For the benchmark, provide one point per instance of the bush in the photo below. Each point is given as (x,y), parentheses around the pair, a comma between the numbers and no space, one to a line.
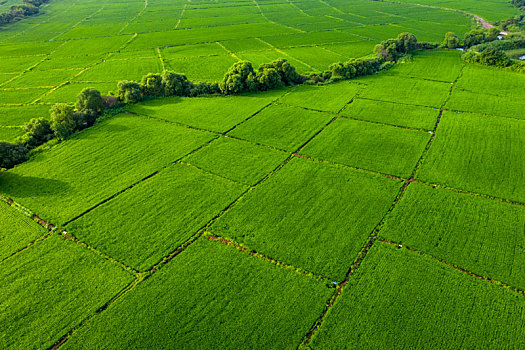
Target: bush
(287,72)
(12,154)
(239,78)
(63,121)
(130,91)
(90,99)
(175,84)
(268,78)
(152,84)
(474,37)
(201,88)
(451,41)
(37,131)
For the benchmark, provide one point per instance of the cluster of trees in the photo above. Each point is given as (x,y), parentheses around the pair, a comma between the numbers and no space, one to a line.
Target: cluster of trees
(489,56)
(16,12)
(519,4)
(64,121)
(513,24)
(393,49)
(472,38)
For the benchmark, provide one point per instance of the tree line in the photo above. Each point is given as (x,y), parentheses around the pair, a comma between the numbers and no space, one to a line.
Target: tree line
(241,77)
(17,12)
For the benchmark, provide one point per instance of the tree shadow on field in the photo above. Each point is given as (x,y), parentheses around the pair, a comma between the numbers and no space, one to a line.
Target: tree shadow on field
(19,186)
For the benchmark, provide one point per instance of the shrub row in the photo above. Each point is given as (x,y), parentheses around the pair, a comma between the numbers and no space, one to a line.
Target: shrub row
(65,120)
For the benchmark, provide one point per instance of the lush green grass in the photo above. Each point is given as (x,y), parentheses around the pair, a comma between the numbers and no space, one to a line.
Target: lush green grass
(17,96)
(392,114)
(477,234)
(69,92)
(382,148)
(115,70)
(15,116)
(310,215)
(157,215)
(10,133)
(493,81)
(283,127)
(411,91)
(330,98)
(216,113)
(477,153)
(213,296)
(95,164)
(237,160)
(49,78)
(465,101)
(440,65)
(397,299)
(49,289)
(17,231)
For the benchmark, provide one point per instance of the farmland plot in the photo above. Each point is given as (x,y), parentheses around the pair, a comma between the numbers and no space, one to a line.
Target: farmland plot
(465,101)
(180,305)
(50,288)
(296,222)
(381,148)
(477,153)
(478,234)
(399,298)
(96,164)
(156,216)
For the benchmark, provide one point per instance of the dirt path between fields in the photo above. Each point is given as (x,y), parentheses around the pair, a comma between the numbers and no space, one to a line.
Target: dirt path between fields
(484,22)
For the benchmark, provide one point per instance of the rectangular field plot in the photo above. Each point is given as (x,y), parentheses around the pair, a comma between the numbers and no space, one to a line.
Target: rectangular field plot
(95,164)
(48,289)
(352,50)
(92,46)
(405,90)
(157,215)
(494,81)
(217,113)
(210,68)
(68,93)
(237,160)
(330,98)
(397,297)
(173,309)
(18,64)
(21,96)
(48,78)
(115,70)
(27,49)
(478,234)
(314,56)
(465,101)
(78,62)
(392,113)
(265,56)
(17,231)
(18,115)
(291,216)
(286,128)
(477,153)
(382,148)
(442,65)
(185,51)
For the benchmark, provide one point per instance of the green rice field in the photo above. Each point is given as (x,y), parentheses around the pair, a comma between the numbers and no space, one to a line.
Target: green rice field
(386,211)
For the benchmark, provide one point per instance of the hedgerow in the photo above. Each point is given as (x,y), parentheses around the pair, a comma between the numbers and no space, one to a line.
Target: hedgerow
(17,12)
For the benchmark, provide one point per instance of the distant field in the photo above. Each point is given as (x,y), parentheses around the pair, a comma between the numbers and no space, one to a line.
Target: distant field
(384,212)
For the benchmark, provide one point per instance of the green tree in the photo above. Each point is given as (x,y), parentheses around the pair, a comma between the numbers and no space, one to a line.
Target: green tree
(12,154)
(63,121)
(239,78)
(152,84)
(130,91)
(493,34)
(451,41)
(474,37)
(289,75)
(406,42)
(37,131)
(90,99)
(175,84)
(269,78)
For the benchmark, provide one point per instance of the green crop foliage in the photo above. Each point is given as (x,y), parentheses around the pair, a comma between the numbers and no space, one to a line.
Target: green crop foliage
(477,153)
(399,299)
(237,160)
(96,164)
(392,114)
(216,113)
(330,98)
(158,215)
(212,296)
(17,231)
(381,148)
(291,216)
(50,288)
(465,101)
(283,127)
(412,91)
(477,234)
